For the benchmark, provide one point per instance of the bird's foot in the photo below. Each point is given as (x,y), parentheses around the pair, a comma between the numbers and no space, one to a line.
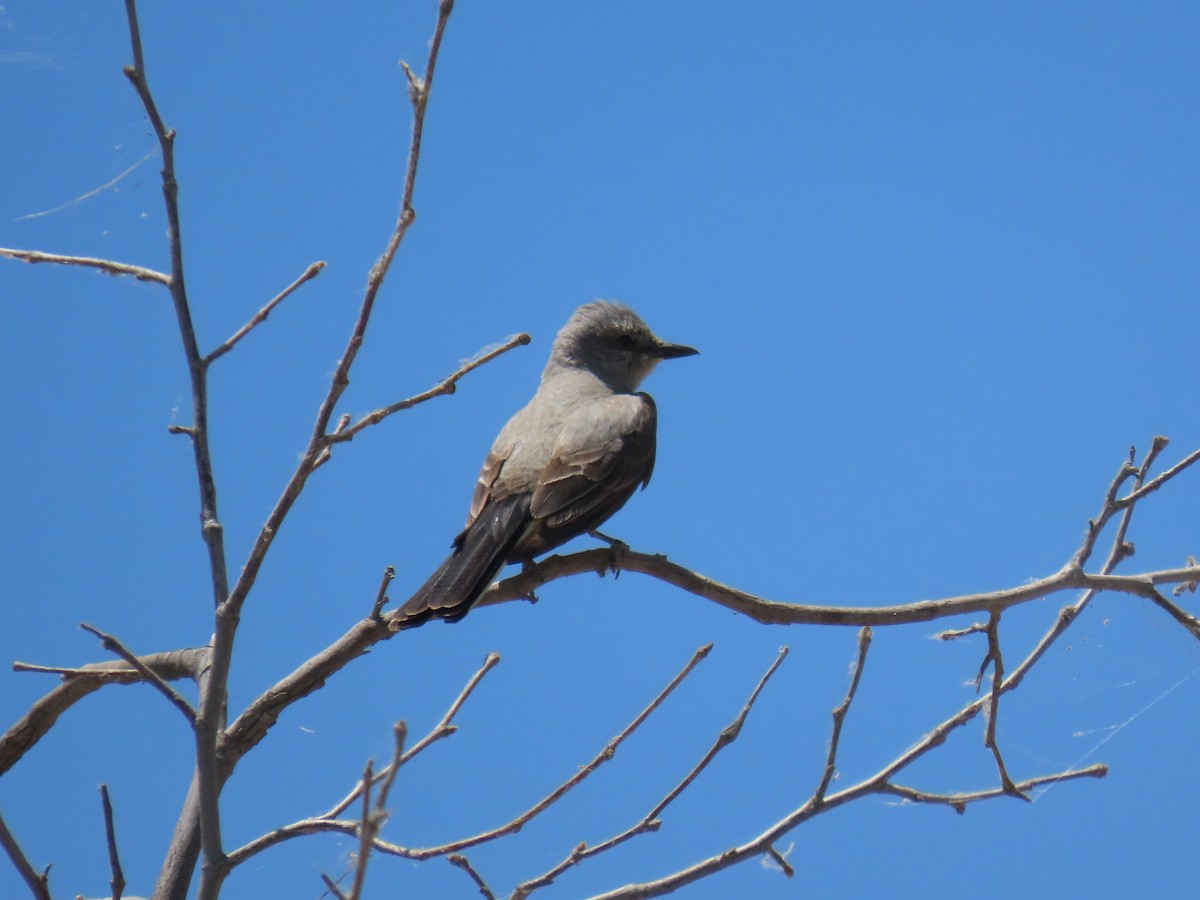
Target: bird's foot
(617,550)
(530,569)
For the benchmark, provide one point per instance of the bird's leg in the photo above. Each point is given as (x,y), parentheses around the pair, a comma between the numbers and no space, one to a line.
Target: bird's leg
(617,548)
(530,568)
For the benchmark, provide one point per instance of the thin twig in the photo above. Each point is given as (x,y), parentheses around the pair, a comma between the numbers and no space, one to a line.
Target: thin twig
(366,834)
(447,385)
(329,821)
(315,825)
(839,714)
(113,645)
(728,735)
(399,733)
(607,753)
(341,379)
(1188,621)
(651,821)
(442,729)
(1118,552)
(951,634)
(1158,481)
(959,801)
(381,597)
(457,859)
(39,883)
(780,861)
(332,887)
(108,266)
(1107,509)
(261,316)
(114,860)
(989,739)
(115,673)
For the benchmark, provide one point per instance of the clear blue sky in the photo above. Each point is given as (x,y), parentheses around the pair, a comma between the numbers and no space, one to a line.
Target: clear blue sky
(939,258)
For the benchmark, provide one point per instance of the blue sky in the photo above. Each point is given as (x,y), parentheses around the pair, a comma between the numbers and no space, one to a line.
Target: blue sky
(939,260)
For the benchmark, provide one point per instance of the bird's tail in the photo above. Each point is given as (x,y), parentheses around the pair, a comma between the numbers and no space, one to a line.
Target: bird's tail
(480,552)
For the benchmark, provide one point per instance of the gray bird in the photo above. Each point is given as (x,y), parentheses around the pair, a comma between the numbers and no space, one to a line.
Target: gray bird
(563,464)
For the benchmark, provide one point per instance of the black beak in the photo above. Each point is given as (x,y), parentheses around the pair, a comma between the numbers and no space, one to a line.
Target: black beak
(674,351)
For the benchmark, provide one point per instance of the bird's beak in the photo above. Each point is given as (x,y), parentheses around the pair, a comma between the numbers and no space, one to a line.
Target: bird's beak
(674,351)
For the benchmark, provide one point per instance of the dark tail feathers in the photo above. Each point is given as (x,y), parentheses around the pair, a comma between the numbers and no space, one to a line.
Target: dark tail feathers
(479,554)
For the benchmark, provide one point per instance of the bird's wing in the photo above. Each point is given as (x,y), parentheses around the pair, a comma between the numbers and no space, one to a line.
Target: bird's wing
(487,478)
(603,452)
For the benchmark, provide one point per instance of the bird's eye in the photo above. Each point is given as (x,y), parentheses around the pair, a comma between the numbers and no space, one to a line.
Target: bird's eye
(625,340)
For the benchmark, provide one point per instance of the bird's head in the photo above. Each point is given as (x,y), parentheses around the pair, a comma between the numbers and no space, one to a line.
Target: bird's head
(612,342)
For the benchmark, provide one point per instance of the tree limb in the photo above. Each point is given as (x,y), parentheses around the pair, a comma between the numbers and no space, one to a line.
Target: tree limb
(108,266)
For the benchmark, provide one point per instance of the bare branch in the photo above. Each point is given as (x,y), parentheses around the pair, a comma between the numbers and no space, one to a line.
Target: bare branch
(447,385)
(367,826)
(958,802)
(441,730)
(39,883)
(774,612)
(1188,621)
(329,821)
(370,822)
(341,379)
(315,825)
(839,714)
(598,760)
(993,706)
(881,782)
(1118,552)
(780,861)
(261,316)
(108,266)
(381,597)
(331,886)
(1153,485)
(951,634)
(210,718)
(650,821)
(728,735)
(114,860)
(115,646)
(254,722)
(1096,525)
(78,683)
(400,734)
(457,859)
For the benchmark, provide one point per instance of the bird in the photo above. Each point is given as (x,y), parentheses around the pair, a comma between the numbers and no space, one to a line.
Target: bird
(564,463)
